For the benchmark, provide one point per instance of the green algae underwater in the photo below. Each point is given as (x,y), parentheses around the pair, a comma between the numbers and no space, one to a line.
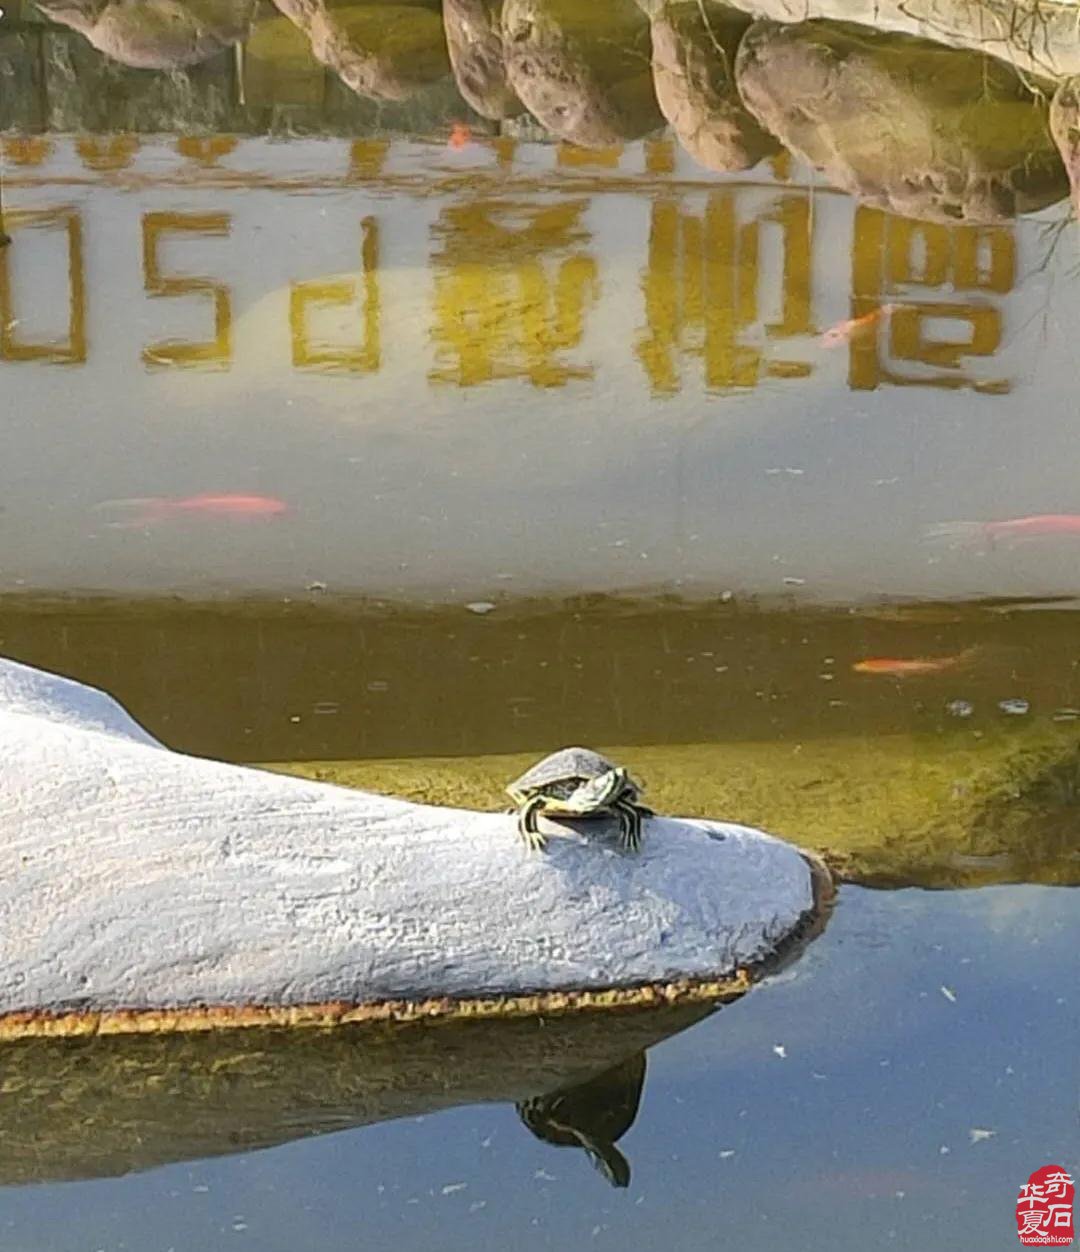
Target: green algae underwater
(964,777)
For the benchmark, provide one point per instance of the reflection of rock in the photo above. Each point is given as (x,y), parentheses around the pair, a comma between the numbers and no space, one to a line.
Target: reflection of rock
(474,39)
(97,1107)
(279,68)
(693,49)
(1065,127)
(1035,36)
(905,125)
(155,34)
(1032,815)
(592,1116)
(384,51)
(582,69)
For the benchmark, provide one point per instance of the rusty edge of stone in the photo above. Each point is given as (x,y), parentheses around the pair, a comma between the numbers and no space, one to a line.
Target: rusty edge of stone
(202,1018)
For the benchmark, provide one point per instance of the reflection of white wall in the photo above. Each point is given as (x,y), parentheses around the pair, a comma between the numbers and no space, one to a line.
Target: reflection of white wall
(402,487)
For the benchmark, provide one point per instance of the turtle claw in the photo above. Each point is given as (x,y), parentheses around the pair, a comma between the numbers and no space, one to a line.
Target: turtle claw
(534,837)
(534,840)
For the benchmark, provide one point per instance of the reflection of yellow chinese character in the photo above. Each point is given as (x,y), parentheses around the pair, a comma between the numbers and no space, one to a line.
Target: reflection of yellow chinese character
(71,351)
(701,291)
(659,156)
(26,149)
(172,352)
(512,286)
(573,158)
(340,294)
(366,158)
(109,152)
(205,150)
(894,260)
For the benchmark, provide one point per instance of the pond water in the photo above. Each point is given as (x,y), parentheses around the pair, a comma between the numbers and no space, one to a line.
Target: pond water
(359,425)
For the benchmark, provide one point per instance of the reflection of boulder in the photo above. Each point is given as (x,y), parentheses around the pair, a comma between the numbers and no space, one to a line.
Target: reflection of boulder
(1035,36)
(693,51)
(384,51)
(98,1107)
(903,124)
(582,69)
(474,39)
(279,68)
(155,34)
(1065,128)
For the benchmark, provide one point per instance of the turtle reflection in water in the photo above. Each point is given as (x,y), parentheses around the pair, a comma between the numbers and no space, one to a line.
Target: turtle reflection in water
(577,783)
(592,1116)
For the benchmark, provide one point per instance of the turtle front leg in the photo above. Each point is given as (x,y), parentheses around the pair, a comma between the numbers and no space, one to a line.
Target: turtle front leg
(630,818)
(527,825)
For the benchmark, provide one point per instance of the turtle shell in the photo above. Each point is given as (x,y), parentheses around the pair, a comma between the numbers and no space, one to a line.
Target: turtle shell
(561,772)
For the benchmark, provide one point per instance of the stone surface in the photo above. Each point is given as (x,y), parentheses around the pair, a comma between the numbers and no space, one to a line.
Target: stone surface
(133,877)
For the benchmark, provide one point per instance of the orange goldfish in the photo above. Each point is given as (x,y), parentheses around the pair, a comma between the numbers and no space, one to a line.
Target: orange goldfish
(912,666)
(1038,526)
(152,509)
(460,135)
(852,326)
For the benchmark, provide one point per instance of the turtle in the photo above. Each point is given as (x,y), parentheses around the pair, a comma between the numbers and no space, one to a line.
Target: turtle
(577,782)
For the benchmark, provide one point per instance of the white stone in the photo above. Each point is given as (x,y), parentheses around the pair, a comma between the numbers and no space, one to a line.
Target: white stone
(132,876)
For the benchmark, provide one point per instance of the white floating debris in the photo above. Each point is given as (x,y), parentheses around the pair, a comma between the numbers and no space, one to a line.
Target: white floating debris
(780,1051)
(451,1187)
(1014,708)
(727,1154)
(544,1176)
(948,993)
(959,708)
(480,606)
(977,1135)
(794,582)
(1066,715)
